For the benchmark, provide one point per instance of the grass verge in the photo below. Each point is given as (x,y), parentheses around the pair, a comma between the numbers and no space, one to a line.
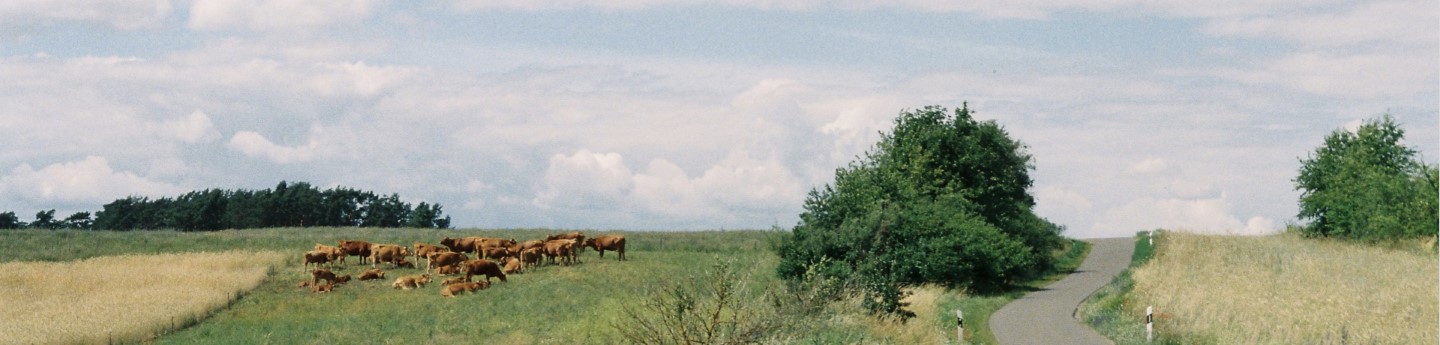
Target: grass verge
(1107,310)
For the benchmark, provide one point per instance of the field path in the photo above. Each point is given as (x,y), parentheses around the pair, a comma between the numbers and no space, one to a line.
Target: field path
(1047,316)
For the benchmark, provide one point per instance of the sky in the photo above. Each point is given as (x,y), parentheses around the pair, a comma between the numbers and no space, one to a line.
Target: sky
(689,115)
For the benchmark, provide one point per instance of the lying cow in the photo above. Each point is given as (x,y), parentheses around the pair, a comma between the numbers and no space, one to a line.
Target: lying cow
(453,290)
(411,282)
(608,242)
(372,274)
(323,288)
(454,280)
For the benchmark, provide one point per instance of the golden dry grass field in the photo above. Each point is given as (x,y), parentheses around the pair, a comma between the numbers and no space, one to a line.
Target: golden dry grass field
(1283,289)
(125,298)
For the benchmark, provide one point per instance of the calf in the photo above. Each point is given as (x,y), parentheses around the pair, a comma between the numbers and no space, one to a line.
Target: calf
(563,248)
(608,242)
(448,270)
(316,257)
(323,274)
(579,241)
(360,248)
(482,266)
(510,265)
(323,288)
(423,250)
(531,257)
(411,282)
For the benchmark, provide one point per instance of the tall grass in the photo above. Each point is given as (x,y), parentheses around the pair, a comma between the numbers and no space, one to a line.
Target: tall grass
(1283,289)
(126,298)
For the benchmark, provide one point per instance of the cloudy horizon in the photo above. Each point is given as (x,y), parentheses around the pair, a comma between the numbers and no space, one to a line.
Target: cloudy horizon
(683,115)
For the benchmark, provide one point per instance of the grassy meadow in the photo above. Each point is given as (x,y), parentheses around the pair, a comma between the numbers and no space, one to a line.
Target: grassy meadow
(550,305)
(124,298)
(1282,289)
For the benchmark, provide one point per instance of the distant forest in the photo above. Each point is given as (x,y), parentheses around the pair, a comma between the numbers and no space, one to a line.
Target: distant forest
(296,204)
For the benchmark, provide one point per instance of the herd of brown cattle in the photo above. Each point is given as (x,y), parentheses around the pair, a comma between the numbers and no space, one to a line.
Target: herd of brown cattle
(493,258)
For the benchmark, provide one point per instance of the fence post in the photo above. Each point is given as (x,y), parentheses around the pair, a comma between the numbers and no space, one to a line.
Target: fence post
(1149,323)
(960,326)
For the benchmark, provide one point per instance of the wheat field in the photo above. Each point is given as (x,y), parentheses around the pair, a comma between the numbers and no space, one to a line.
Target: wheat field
(1283,289)
(125,298)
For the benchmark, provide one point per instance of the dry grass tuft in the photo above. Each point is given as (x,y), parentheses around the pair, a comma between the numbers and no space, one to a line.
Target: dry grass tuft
(1283,289)
(122,298)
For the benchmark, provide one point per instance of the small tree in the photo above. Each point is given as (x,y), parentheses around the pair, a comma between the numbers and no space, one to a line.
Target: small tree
(943,199)
(78,220)
(8,220)
(1367,185)
(45,220)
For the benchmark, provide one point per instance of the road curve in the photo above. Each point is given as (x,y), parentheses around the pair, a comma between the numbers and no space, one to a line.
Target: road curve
(1047,316)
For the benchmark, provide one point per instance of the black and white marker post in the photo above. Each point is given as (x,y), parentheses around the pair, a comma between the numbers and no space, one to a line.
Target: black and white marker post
(960,325)
(1149,323)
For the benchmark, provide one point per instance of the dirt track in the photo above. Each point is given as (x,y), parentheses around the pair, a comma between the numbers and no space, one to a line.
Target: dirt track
(1048,316)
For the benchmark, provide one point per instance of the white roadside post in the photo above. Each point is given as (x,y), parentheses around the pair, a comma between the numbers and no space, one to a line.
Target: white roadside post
(960,326)
(1149,323)
(1151,237)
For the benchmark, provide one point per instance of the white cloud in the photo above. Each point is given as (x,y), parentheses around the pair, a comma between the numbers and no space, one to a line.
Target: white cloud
(276,15)
(1403,22)
(88,181)
(358,78)
(255,145)
(122,14)
(195,128)
(585,179)
(1211,216)
(1147,167)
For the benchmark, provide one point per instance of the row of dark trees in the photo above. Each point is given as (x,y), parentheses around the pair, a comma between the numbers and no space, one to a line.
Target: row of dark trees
(296,204)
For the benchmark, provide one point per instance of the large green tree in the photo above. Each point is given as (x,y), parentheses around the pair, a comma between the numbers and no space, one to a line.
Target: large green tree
(942,198)
(1367,185)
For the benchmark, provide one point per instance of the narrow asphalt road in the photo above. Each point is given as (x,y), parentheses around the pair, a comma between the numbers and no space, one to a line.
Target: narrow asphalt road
(1047,316)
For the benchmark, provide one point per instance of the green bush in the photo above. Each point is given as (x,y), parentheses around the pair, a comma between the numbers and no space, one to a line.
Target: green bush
(1366,185)
(942,199)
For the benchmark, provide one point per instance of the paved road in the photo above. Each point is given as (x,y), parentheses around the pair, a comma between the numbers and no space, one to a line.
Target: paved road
(1048,316)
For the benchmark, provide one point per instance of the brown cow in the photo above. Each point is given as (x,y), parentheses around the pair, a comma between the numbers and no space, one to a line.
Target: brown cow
(608,242)
(531,257)
(387,253)
(494,252)
(460,288)
(445,259)
(448,270)
(482,266)
(322,274)
(360,248)
(372,274)
(339,253)
(459,245)
(411,282)
(562,248)
(423,250)
(316,257)
(510,265)
(523,246)
(579,243)
(323,288)
(402,263)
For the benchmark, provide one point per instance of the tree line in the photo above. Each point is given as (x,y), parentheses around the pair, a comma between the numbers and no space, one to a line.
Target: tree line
(296,204)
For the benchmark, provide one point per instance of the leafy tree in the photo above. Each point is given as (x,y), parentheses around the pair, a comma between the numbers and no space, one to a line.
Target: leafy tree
(45,220)
(8,220)
(1367,185)
(943,198)
(78,220)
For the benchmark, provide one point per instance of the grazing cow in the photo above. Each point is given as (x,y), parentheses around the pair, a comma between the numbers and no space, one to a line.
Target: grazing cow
(579,242)
(360,248)
(459,245)
(453,290)
(339,253)
(423,250)
(531,257)
(387,253)
(510,265)
(445,259)
(316,257)
(322,274)
(562,248)
(454,280)
(323,288)
(411,282)
(372,274)
(482,266)
(608,242)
